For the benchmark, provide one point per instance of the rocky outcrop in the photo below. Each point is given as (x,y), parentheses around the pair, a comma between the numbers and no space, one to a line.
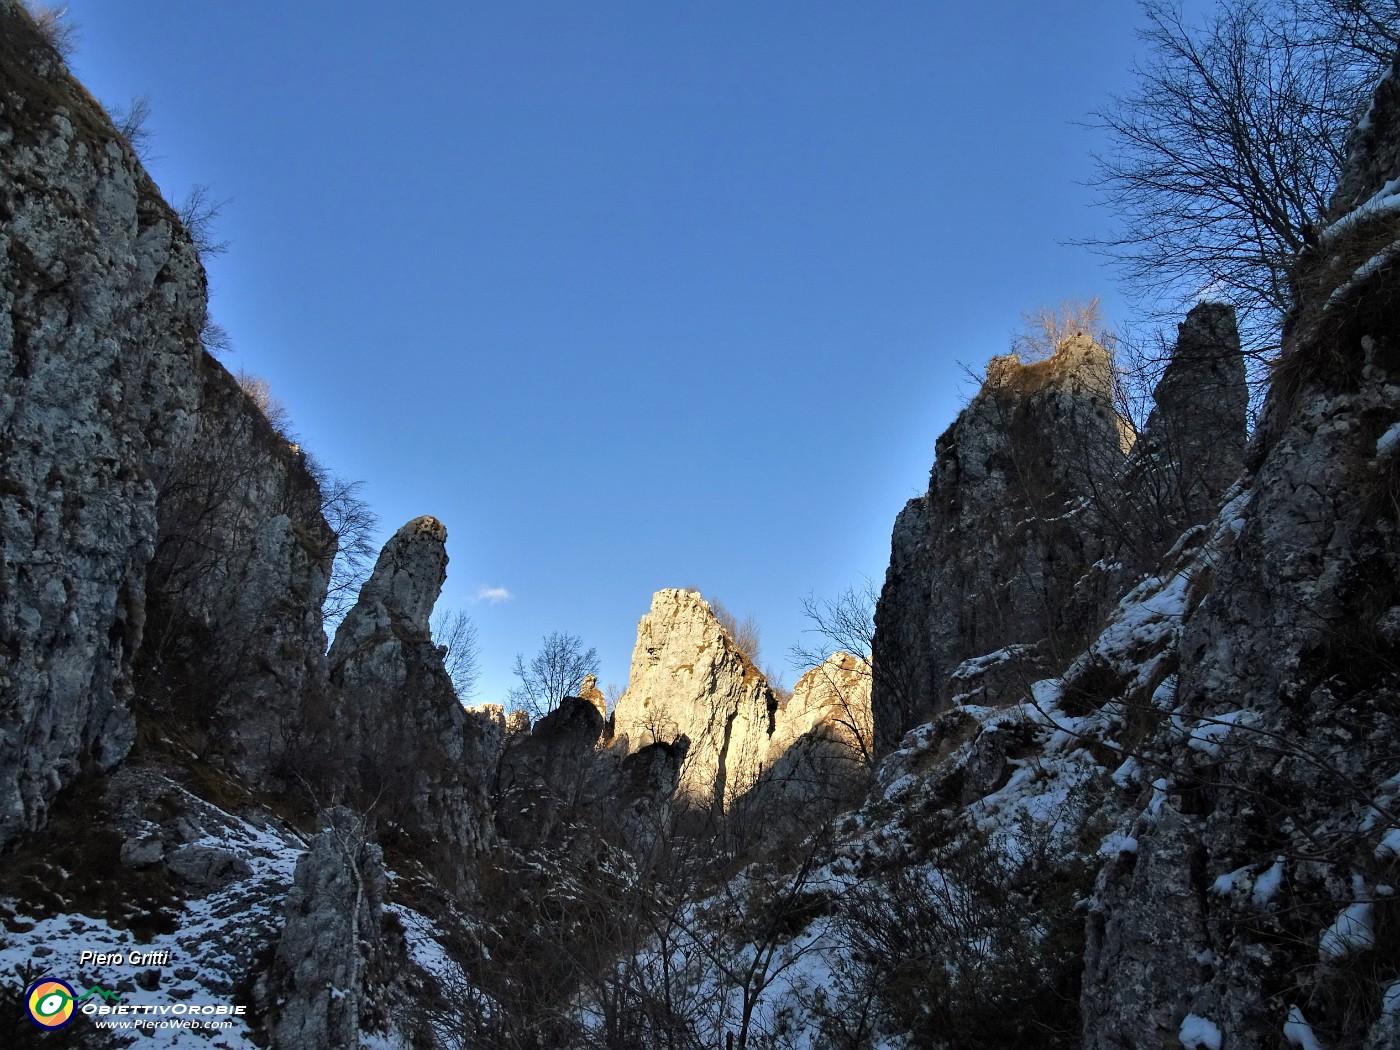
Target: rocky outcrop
(590,692)
(822,737)
(690,685)
(234,650)
(395,735)
(642,800)
(338,948)
(1036,520)
(1192,447)
(689,680)
(833,700)
(819,754)
(992,554)
(1274,831)
(102,298)
(552,771)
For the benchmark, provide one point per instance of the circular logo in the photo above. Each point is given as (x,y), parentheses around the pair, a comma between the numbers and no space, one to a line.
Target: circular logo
(50,1002)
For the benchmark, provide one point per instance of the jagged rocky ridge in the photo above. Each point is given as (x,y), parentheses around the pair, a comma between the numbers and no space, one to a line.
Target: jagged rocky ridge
(1037,479)
(1136,703)
(1185,834)
(690,681)
(163,568)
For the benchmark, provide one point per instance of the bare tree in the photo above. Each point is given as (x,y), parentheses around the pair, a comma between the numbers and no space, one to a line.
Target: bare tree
(455,632)
(556,671)
(54,25)
(846,623)
(613,693)
(354,522)
(1043,330)
(1228,147)
(199,212)
(1369,29)
(131,122)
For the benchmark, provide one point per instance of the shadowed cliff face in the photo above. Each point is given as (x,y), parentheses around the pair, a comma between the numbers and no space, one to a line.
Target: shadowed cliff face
(234,651)
(990,556)
(164,548)
(1192,447)
(1270,846)
(396,738)
(101,302)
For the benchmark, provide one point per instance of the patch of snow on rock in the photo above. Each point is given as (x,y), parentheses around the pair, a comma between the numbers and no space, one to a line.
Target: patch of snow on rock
(1298,1032)
(1388,442)
(1225,884)
(1389,846)
(1266,886)
(1352,932)
(1198,1033)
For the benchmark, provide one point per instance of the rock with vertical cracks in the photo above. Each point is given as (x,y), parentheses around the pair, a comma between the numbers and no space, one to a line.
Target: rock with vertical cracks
(395,736)
(992,554)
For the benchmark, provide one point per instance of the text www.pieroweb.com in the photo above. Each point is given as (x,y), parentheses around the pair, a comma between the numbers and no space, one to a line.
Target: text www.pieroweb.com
(176,1015)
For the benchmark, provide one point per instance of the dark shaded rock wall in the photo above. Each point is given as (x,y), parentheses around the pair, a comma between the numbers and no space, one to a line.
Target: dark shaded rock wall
(1273,838)
(102,298)
(992,554)
(394,736)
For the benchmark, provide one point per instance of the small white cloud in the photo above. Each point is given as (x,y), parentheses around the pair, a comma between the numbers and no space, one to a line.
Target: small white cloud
(493,595)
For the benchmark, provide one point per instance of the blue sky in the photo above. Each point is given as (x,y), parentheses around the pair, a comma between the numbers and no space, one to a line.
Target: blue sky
(631,295)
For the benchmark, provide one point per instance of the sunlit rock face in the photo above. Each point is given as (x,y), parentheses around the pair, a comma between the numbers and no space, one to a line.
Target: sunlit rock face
(1261,890)
(394,732)
(991,555)
(690,684)
(819,756)
(832,698)
(102,298)
(689,680)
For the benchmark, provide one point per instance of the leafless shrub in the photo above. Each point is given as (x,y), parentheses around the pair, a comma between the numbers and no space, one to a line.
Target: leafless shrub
(54,26)
(1046,328)
(132,124)
(743,633)
(215,337)
(974,950)
(455,632)
(199,212)
(259,392)
(556,671)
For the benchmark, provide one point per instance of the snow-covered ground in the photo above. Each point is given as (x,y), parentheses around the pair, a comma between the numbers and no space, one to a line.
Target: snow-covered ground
(1044,801)
(210,949)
